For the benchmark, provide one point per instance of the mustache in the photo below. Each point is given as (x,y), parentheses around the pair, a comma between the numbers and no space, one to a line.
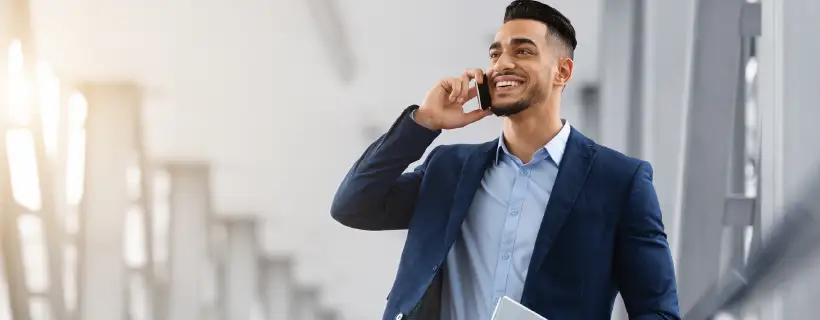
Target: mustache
(508,73)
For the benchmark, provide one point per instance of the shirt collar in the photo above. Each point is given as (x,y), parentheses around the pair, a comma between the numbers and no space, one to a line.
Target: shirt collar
(555,147)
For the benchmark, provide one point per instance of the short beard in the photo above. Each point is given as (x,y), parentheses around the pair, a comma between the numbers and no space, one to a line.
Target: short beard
(518,106)
(510,110)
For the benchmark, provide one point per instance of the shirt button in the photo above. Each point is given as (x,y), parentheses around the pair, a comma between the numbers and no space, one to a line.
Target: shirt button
(523,172)
(399,316)
(505,256)
(514,212)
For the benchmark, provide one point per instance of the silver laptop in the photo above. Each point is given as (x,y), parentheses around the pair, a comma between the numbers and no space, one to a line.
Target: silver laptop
(509,309)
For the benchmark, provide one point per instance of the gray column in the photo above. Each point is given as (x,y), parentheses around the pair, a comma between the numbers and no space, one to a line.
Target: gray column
(770,102)
(278,279)
(620,76)
(241,267)
(787,90)
(668,38)
(666,46)
(621,79)
(190,209)
(788,111)
(715,74)
(306,304)
(113,110)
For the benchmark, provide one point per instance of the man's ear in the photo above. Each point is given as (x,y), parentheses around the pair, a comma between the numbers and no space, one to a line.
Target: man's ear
(564,74)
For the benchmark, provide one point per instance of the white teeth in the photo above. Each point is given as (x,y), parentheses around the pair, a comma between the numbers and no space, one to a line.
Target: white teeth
(503,84)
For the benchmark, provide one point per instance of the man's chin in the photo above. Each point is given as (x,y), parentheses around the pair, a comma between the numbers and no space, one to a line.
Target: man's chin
(506,103)
(508,109)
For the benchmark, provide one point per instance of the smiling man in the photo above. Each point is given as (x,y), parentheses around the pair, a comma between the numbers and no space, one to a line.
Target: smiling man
(542,214)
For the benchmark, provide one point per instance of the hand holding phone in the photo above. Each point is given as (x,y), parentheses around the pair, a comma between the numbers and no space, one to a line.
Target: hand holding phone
(443,105)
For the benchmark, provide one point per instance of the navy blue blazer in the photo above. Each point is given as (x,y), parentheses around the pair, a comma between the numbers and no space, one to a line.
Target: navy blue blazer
(601,232)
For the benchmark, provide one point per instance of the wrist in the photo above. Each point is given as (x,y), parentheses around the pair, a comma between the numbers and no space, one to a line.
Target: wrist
(423,118)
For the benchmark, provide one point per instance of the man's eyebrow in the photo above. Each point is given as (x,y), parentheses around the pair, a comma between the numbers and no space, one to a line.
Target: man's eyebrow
(514,41)
(520,41)
(495,46)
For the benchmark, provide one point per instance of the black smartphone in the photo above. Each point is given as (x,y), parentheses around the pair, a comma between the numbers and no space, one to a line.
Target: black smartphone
(483,89)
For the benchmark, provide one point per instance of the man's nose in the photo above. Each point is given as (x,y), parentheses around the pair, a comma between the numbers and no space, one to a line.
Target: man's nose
(504,62)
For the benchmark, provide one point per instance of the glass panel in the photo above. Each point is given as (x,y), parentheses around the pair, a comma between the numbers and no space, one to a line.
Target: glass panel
(134,238)
(75,162)
(33,252)
(49,99)
(23,167)
(18,89)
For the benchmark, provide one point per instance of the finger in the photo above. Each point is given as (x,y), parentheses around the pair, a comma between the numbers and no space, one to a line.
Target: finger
(457,88)
(465,87)
(454,90)
(477,74)
(475,115)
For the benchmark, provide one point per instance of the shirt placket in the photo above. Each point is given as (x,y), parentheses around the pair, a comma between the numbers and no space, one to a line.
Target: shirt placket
(507,248)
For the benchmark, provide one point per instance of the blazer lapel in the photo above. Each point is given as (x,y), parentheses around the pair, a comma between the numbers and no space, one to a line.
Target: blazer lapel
(469,180)
(572,173)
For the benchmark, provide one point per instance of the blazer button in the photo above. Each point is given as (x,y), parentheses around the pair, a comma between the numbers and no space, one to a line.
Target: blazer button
(399,316)
(435,269)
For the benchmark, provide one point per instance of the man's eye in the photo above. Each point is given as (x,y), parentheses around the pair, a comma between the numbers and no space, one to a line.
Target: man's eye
(494,55)
(524,51)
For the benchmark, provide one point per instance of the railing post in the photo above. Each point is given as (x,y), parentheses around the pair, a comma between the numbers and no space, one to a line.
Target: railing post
(190,209)
(113,110)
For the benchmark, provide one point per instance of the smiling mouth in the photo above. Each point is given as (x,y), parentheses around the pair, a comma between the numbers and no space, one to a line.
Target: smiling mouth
(503,86)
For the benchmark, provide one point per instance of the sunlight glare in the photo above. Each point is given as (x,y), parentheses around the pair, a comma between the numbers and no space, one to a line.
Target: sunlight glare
(134,238)
(34,251)
(77,109)
(25,183)
(49,98)
(18,86)
(75,162)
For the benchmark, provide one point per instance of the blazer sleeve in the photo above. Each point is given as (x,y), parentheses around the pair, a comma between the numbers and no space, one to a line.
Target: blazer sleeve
(375,195)
(643,263)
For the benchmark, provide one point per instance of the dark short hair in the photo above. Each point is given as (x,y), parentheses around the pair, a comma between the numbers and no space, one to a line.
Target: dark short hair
(559,27)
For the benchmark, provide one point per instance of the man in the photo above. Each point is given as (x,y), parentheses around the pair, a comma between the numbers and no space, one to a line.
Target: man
(542,214)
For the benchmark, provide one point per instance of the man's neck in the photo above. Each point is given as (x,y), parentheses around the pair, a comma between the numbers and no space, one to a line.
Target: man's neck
(532,129)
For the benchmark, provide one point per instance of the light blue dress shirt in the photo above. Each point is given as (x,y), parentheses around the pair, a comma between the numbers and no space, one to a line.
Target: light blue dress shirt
(491,258)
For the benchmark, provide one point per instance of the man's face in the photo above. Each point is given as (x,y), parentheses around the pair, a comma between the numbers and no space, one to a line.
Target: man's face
(522,66)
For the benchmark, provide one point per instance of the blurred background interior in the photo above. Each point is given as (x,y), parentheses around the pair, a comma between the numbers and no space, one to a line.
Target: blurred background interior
(177,159)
